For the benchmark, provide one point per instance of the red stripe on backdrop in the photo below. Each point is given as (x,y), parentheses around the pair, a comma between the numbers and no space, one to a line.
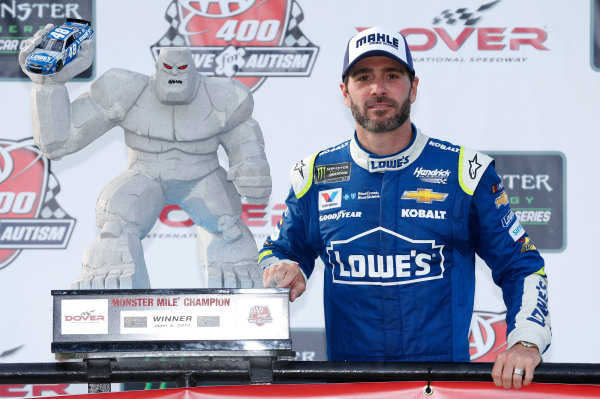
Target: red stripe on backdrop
(379,390)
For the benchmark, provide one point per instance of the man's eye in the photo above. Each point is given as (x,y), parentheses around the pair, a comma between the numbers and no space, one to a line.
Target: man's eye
(167,66)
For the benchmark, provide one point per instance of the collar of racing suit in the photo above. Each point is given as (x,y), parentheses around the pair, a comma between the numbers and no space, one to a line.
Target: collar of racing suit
(400,160)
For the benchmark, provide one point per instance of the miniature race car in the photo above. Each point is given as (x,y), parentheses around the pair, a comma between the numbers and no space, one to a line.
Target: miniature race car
(59,47)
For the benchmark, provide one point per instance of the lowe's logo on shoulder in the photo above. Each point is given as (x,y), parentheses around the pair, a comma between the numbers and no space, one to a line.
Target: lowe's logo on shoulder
(443,146)
(411,261)
(330,199)
(439,176)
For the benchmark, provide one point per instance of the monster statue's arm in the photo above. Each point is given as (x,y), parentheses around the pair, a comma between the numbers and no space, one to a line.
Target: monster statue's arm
(243,142)
(61,127)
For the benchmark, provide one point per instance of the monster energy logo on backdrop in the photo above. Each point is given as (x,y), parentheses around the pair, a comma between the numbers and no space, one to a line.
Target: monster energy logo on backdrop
(535,186)
(332,173)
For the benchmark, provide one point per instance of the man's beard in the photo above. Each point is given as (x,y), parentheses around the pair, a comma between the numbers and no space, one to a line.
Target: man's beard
(401,115)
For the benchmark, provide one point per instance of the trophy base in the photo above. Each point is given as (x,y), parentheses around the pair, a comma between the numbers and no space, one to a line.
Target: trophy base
(223,323)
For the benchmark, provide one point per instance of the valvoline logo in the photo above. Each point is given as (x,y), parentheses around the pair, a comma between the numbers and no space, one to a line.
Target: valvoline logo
(248,40)
(330,199)
(30,217)
(412,260)
(487,336)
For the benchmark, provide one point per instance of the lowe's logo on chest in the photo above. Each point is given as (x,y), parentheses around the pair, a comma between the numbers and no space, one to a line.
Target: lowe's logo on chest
(390,163)
(412,261)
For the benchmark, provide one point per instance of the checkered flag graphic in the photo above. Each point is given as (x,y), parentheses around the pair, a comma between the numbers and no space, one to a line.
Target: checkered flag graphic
(463,15)
(294,36)
(50,207)
(172,38)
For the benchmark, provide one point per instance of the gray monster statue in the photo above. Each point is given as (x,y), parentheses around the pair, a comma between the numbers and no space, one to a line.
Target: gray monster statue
(174,122)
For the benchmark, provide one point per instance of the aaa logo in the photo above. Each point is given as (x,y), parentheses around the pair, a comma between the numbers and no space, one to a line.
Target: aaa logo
(487,337)
(248,40)
(30,217)
(260,315)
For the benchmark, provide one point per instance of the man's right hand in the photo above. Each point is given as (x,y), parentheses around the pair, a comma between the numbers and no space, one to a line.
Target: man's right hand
(285,275)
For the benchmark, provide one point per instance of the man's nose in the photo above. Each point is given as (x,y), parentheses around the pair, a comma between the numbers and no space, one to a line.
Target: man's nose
(378,87)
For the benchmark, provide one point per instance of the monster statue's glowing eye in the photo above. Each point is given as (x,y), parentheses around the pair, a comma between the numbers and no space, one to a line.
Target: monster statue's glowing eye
(167,66)
(183,67)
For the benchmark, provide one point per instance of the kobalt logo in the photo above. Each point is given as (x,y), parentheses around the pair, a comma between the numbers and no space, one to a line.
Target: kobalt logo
(30,217)
(443,146)
(412,260)
(423,214)
(248,40)
(340,215)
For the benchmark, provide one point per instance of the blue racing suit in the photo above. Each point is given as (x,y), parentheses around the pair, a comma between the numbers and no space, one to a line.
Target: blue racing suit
(398,236)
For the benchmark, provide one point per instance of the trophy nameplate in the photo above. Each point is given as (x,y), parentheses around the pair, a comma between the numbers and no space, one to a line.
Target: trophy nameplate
(174,322)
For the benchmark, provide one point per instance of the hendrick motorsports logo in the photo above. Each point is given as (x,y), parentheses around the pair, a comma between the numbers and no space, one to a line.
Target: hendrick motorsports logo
(30,217)
(248,40)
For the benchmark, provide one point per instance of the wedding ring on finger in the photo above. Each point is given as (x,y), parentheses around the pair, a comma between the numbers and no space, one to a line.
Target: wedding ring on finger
(518,371)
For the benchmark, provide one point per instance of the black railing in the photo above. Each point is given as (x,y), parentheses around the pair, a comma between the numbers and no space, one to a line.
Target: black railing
(100,373)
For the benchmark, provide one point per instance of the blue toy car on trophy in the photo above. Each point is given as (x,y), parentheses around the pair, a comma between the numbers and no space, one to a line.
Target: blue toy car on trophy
(59,47)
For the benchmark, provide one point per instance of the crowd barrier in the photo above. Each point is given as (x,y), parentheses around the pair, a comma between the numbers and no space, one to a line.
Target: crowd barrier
(100,373)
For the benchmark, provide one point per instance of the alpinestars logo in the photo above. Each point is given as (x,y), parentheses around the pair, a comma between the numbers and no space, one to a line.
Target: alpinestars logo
(30,217)
(248,40)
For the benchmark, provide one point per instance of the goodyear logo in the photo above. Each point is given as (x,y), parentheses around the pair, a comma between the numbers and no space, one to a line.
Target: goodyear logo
(412,261)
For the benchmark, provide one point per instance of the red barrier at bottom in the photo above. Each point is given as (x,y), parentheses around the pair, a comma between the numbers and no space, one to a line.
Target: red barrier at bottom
(378,390)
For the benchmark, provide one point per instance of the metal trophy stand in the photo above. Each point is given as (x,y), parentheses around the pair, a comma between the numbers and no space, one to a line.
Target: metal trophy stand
(99,326)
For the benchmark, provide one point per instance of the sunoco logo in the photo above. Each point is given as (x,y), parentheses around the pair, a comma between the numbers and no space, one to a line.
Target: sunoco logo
(248,40)
(30,217)
(459,34)
(412,260)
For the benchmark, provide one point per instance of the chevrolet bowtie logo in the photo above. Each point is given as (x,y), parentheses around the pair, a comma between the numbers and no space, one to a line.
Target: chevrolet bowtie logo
(424,195)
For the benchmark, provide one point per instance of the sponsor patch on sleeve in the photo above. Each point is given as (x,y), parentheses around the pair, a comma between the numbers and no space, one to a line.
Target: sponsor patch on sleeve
(333,173)
(496,188)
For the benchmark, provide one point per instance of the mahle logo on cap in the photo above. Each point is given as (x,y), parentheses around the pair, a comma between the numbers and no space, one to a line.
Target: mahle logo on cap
(378,39)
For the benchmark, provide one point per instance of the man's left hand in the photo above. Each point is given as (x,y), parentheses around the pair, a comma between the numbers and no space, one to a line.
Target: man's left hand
(514,367)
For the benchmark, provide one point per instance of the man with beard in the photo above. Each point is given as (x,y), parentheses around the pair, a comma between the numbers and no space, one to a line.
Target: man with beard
(397,217)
